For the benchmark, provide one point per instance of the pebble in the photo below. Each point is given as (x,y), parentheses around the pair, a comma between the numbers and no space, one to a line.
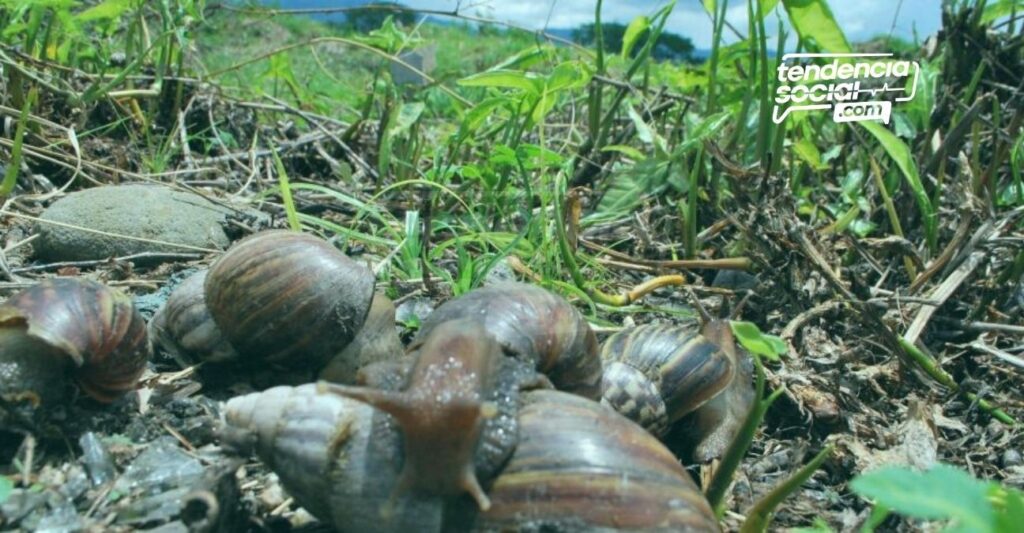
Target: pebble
(1011,457)
(137,210)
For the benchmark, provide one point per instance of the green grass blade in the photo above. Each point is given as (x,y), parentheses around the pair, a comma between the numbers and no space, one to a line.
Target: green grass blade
(900,154)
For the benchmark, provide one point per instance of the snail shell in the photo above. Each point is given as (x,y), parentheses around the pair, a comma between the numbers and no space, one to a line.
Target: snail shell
(532,324)
(656,374)
(281,295)
(581,466)
(69,322)
(336,456)
(183,325)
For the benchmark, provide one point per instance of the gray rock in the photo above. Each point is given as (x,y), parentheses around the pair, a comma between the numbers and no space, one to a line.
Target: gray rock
(137,210)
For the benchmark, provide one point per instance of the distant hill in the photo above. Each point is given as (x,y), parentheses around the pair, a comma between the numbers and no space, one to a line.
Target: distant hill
(565,33)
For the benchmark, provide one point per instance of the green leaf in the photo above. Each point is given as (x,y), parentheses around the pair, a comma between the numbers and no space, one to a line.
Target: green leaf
(635,29)
(507,79)
(407,115)
(706,128)
(108,9)
(710,6)
(751,337)
(625,150)
(568,75)
(814,21)
(944,492)
(998,10)
(900,154)
(286,193)
(809,153)
(6,488)
(767,6)
(1012,515)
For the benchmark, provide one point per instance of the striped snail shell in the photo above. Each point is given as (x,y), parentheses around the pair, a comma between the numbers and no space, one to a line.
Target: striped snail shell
(71,325)
(280,297)
(534,325)
(579,466)
(656,374)
(336,456)
(183,325)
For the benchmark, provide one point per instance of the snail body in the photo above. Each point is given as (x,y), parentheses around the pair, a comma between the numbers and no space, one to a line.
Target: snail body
(656,374)
(71,325)
(534,325)
(285,298)
(442,410)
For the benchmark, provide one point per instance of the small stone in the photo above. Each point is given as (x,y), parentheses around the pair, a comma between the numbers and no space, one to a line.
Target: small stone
(413,311)
(1011,457)
(96,458)
(145,211)
(501,272)
(162,466)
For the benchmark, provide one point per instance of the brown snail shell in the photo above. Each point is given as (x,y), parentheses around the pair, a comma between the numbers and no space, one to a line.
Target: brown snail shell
(69,322)
(532,324)
(656,374)
(278,295)
(579,466)
(184,328)
(281,297)
(336,456)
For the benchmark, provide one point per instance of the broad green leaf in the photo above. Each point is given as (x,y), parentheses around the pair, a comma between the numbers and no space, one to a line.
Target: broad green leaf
(635,29)
(809,153)
(482,111)
(1012,515)
(709,126)
(568,75)
(900,154)
(522,59)
(998,10)
(109,9)
(767,6)
(710,6)
(407,115)
(628,187)
(814,21)
(944,492)
(751,337)
(507,79)
(6,487)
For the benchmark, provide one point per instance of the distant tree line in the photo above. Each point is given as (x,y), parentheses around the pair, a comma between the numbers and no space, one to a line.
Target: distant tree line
(669,46)
(366,19)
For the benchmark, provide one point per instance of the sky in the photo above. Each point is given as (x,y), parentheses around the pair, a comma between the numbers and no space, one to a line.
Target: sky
(860,19)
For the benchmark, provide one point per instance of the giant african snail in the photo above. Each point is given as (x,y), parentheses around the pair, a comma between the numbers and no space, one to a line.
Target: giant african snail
(281,297)
(70,327)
